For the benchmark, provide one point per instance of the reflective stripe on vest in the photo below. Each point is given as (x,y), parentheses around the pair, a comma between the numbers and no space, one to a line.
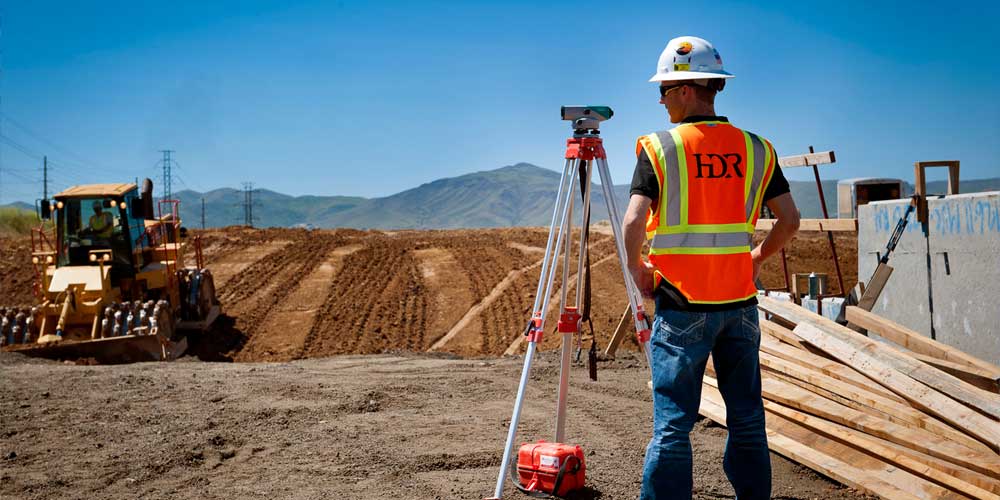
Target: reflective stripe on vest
(698,228)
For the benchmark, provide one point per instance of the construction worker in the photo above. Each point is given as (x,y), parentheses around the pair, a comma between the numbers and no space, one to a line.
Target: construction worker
(696,193)
(101,223)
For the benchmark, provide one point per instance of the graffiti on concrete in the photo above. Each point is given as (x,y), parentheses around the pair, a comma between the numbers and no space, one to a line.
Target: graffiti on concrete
(965,216)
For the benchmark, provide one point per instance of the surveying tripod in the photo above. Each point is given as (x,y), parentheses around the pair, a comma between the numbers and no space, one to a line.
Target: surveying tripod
(584,151)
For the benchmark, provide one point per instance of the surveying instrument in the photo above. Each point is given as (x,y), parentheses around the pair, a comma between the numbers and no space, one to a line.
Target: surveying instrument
(555,468)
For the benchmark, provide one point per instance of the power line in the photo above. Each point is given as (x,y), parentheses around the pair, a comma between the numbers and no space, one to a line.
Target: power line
(23,149)
(80,160)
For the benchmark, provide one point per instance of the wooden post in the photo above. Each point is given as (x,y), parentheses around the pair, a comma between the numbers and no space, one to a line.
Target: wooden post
(616,339)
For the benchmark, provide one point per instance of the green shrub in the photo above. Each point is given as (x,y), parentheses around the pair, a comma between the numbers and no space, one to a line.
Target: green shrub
(17,221)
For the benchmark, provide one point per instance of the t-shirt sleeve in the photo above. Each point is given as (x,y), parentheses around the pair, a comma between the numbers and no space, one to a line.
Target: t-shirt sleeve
(644,180)
(778,184)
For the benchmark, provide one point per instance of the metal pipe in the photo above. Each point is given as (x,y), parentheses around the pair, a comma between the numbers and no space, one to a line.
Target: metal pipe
(829,234)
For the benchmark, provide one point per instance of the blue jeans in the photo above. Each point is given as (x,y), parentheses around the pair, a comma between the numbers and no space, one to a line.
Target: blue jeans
(681,344)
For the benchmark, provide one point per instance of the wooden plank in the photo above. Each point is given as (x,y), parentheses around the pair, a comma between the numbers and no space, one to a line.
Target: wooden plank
(826,366)
(921,396)
(781,333)
(980,378)
(874,287)
(620,332)
(838,225)
(807,160)
(868,410)
(931,442)
(898,362)
(916,342)
(900,413)
(827,465)
(969,476)
(860,441)
(831,384)
(868,466)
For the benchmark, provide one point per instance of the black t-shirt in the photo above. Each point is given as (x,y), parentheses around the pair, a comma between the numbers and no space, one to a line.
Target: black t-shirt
(644,182)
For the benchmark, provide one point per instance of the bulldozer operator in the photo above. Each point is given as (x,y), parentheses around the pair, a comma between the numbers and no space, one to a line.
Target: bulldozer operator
(102,223)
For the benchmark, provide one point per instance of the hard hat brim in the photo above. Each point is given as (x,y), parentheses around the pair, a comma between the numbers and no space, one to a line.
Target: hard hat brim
(675,76)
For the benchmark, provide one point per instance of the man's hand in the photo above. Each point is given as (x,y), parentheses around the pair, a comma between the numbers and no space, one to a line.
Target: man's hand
(784,229)
(643,278)
(758,260)
(634,232)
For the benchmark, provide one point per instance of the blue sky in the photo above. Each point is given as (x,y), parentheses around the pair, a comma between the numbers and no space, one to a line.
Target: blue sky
(371,98)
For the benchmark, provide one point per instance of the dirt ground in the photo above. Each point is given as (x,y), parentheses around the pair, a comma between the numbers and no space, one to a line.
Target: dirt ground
(413,403)
(394,425)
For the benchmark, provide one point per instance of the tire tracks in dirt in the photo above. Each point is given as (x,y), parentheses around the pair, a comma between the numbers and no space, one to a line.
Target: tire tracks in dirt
(268,282)
(477,308)
(552,313)
(282,332)
(374,303)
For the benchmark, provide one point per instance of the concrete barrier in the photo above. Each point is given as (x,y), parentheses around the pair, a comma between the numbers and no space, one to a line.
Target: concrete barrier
(946,282)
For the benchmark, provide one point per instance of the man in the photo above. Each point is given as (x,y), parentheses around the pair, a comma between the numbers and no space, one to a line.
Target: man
(697,192)
(101,223)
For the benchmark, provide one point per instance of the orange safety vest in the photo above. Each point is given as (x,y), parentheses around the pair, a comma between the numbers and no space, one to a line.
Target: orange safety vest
(712,177)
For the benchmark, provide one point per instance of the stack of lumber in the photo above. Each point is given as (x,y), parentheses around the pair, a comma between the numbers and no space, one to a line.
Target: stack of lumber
(895,414)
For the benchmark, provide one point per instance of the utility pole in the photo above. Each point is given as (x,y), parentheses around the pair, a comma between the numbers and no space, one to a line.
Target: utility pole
(167,192)
(45,177)
(202,213)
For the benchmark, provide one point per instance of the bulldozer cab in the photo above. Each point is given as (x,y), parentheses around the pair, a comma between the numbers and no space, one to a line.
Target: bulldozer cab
(92,223)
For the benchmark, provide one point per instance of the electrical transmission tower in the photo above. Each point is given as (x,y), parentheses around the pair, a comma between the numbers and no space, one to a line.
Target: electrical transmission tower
(248,202)
(203,213)
(167,163)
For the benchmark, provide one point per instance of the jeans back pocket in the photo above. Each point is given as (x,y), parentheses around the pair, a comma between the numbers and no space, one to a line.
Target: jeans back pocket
(750,323)
(680,328)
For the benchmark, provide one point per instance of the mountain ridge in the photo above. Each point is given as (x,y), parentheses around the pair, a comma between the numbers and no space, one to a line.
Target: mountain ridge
(514,195)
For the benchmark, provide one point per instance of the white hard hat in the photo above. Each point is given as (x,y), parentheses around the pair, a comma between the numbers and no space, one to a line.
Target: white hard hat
(689,58)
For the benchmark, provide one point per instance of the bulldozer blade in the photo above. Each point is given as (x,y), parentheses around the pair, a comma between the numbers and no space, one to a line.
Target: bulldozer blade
(114,350)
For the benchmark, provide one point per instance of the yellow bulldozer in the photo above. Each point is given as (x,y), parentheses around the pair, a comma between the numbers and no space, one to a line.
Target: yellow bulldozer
(111,281)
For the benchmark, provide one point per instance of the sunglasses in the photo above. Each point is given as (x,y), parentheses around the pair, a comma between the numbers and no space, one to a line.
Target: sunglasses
(664,90)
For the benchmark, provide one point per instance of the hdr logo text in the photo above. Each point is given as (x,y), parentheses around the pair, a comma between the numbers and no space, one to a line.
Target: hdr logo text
(716,166)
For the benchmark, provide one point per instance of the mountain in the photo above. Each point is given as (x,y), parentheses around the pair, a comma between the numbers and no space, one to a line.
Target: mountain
(517,195)
(224,207)
(19,204)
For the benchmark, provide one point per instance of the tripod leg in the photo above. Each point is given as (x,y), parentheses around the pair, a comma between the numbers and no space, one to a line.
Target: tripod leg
(567,334)
(560,216)
(635,298)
